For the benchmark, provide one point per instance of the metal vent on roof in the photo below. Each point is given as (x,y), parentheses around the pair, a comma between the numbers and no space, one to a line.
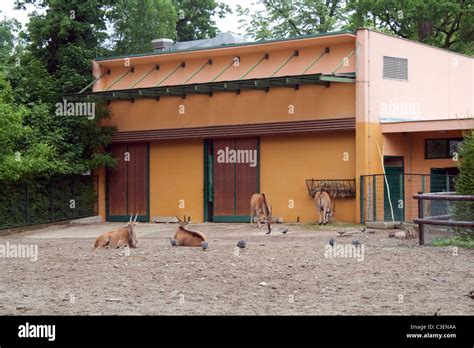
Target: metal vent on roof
(395,68)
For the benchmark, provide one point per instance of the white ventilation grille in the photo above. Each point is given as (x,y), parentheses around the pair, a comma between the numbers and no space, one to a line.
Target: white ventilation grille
(395,68)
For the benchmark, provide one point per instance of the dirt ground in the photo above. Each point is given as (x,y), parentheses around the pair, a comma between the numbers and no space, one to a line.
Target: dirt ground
(276,274)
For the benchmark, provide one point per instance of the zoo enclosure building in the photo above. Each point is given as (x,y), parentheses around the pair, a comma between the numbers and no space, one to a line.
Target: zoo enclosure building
(375,117)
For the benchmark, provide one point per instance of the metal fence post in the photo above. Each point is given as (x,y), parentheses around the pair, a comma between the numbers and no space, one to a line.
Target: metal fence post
(361,193)
(420,216)
(374,198)
(26,203)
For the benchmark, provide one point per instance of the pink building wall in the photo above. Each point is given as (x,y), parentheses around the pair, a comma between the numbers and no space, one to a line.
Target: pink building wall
(440,83)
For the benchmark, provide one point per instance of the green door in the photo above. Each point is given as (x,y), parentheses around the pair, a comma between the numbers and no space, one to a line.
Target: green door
(395,181)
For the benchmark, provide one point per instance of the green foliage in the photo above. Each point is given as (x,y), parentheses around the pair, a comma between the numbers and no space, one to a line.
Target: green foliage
(464,211)
(66,36)
(8,29)
(459,241)
(62,41)
(31,81)
(137,22)
(465,179)
(26,150)
(293,18)
(194,18)
(447,23)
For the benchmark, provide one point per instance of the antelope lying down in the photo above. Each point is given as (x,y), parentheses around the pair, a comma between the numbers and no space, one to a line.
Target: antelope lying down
(324,207)
(125,236)
(185,237)
(259,205)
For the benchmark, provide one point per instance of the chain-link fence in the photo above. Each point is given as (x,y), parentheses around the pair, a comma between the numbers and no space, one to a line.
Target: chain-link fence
(47,200)
(389,197)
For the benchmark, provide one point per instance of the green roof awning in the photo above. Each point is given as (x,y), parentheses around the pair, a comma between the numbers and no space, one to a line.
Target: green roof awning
(210,87)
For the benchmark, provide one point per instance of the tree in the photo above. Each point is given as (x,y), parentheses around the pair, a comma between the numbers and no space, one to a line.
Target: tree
(137,22)
(8,28)
(66,36)
(282,18)
(444,23)
(195,18)
(62,41)
(26,150)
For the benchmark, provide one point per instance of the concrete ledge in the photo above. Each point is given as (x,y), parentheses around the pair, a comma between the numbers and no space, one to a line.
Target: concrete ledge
(164,219)
(87,220)
(383,225)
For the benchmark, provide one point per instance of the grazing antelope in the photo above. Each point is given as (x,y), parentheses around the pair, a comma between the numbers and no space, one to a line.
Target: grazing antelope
(125,236)
(185,237)
(259,205)
(324,207)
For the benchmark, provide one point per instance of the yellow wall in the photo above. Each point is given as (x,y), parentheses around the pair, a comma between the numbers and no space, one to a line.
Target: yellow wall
(176,173)
(369,140)
(287,161)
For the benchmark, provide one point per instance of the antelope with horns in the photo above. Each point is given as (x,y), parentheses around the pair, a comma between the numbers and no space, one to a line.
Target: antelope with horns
(185,237)
(259,205)
(125,236)
(324,206)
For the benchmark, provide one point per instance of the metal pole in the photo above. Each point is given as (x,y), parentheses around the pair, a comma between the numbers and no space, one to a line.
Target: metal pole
(27,202)
(361,194)
(374,200)
(421,215)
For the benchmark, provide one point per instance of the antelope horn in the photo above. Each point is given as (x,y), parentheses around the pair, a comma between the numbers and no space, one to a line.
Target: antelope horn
(136,217)
(131,216)
(178,218)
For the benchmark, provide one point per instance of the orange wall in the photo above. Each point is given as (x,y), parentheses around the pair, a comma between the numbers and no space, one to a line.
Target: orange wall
(286,163)
(177,173)
(412,147)
(309,102)
(177,169)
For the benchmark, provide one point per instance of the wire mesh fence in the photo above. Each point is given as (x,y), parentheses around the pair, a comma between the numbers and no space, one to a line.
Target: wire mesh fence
(455,217)
(389,197)
(47,200)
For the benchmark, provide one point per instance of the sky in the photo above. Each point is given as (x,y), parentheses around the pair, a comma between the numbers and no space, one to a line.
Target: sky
(229,23)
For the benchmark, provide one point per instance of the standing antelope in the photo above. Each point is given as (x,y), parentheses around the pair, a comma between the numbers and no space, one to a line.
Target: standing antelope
(125,236)
(322,200)
(185,237)
(259,205)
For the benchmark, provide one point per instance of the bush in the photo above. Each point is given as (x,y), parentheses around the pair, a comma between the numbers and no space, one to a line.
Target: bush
(464,211)
(463,242)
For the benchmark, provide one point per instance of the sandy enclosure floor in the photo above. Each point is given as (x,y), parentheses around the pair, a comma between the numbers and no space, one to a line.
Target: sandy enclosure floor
(277,274)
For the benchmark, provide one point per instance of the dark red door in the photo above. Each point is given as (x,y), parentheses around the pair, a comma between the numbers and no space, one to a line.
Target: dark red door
(235,178)
(127,186)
